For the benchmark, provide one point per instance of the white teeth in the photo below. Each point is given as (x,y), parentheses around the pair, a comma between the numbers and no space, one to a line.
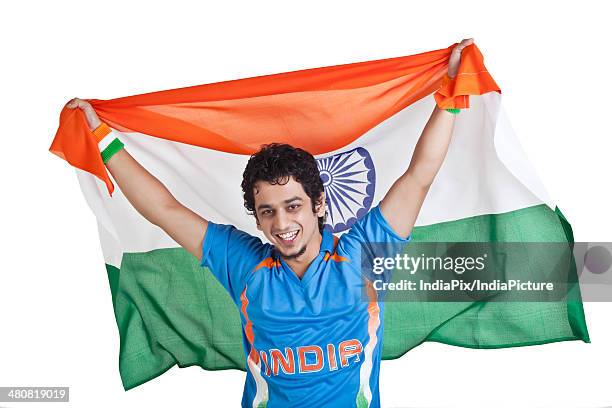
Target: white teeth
(288,236)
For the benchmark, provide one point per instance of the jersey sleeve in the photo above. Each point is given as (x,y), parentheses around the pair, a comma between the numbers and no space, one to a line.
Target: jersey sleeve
(371,237)
(373,227)
(231,254)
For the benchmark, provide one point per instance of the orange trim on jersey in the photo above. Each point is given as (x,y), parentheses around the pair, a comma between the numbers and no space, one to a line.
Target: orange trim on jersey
(373,311)
(335,256)
(297,108)
(248,327)
(338,258)
(268,263)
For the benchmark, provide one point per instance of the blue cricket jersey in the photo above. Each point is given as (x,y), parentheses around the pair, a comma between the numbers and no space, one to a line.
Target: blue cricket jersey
(310,342)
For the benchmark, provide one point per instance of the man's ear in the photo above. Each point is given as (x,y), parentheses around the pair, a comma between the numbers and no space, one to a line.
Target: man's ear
(258,224)
(320,207)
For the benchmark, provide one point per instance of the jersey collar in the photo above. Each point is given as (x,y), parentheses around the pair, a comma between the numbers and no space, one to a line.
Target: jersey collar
(327,242)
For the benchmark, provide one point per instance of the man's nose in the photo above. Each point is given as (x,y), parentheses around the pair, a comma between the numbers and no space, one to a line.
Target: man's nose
(281,221)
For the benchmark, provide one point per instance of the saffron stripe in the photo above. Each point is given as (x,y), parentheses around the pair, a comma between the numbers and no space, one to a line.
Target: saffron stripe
(101,131)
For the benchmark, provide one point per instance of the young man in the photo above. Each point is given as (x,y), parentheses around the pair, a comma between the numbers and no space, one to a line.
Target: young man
(310,337)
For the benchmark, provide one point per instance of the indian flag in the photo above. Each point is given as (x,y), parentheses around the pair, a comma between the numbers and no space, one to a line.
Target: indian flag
(362,122)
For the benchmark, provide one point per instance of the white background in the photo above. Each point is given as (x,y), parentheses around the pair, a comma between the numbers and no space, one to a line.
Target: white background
(551,59)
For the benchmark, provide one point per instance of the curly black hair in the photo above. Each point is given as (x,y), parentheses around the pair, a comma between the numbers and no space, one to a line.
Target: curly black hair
(275,163)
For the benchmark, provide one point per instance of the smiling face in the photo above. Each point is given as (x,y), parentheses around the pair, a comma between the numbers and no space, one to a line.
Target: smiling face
(284,213)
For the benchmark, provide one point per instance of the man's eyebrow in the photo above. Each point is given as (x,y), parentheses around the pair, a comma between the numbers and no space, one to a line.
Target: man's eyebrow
(260,206)
(290,200)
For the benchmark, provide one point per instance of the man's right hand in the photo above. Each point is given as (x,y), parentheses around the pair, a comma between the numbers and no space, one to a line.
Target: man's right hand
(90,114)
(148,195)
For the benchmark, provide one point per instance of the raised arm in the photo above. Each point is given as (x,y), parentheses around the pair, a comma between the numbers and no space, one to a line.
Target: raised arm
(403,201)
(149,196)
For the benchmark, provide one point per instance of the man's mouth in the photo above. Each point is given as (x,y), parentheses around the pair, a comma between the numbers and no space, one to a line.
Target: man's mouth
(288,237)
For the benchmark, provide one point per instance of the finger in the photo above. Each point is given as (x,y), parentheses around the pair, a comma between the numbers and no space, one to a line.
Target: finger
(74,103)
(464,43)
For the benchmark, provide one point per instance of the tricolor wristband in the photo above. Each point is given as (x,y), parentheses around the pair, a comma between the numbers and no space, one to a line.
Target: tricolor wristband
(108,142)
(445,83)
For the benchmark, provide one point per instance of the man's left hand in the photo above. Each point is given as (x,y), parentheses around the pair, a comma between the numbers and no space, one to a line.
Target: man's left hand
(455,58)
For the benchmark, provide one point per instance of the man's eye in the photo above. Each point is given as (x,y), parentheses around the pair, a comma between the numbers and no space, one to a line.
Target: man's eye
(266,212)
(294,206)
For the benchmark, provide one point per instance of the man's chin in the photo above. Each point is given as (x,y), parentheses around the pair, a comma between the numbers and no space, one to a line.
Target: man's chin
(294,255)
